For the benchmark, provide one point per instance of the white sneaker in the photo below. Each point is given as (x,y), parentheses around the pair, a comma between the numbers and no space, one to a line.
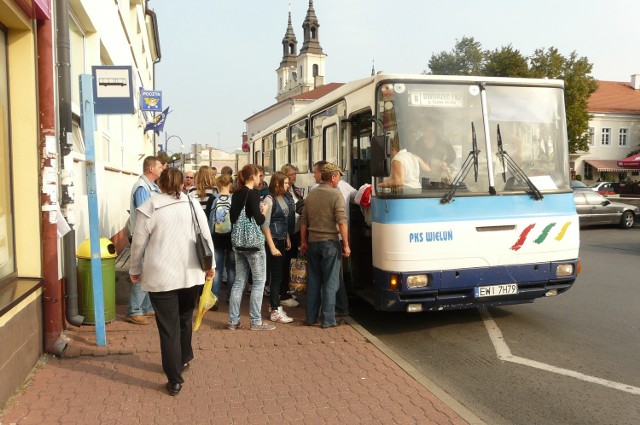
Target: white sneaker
(280,316)
(289,303)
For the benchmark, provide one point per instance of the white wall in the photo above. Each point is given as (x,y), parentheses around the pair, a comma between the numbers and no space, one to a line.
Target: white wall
(113,33)
(613,151)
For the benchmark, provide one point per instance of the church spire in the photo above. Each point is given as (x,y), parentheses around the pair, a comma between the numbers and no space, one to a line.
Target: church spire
(289,46)
(311,28)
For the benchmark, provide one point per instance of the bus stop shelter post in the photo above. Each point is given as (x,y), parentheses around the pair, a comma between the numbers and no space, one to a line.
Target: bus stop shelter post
(88,129)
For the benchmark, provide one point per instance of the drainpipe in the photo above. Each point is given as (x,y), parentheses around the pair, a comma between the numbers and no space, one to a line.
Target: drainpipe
(53,315)
(63,74)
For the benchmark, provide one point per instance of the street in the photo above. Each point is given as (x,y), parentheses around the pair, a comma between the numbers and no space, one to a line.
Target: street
(571,359)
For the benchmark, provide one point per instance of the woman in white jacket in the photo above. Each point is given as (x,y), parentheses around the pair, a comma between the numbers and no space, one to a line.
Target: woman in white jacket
(165,261)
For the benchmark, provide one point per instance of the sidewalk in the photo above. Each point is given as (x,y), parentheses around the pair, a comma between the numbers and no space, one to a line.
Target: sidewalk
(295,374)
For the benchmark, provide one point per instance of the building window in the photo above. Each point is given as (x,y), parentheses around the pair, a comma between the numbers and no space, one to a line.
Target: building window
(7,253)
(622,137)
(315,70)
(78,52)
(605,139)
(592,136)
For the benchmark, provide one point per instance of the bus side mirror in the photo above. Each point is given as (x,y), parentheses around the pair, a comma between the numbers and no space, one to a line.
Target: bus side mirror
(380,156)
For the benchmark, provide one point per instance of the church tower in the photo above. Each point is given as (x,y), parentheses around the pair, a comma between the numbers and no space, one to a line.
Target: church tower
(287,77)
(311,60)
(300,73)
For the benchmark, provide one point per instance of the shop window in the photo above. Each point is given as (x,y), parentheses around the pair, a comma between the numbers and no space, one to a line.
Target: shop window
(7,253)
(588,171)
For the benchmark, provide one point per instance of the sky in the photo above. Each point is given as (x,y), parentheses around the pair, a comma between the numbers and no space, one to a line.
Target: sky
(219,57)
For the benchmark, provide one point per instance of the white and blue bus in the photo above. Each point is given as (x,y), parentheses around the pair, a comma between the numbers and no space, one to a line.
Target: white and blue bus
(488,217)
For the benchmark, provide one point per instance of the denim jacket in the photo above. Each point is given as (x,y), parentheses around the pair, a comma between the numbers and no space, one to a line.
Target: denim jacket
(291,223)
(281,224)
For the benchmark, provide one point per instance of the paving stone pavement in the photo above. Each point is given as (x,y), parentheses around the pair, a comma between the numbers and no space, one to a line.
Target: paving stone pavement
(295,374)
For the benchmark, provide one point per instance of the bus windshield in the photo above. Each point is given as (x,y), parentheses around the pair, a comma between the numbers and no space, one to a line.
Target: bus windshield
(435,128)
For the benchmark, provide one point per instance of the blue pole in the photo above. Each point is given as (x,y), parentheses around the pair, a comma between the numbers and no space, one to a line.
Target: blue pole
(88,128)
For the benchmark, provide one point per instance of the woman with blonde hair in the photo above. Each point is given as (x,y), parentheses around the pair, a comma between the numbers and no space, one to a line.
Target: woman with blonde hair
(220,226)
(164,260)
(205,187)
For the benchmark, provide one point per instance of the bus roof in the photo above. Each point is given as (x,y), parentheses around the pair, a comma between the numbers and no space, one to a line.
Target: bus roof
(374,80)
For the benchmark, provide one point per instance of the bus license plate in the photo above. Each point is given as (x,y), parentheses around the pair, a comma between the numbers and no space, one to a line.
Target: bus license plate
(496,290)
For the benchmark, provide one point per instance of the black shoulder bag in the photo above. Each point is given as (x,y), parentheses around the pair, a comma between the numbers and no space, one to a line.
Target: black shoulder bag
(205,255)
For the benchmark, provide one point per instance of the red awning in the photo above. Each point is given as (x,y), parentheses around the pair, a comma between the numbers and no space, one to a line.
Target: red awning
(36,9)
(608,166)
(631,162)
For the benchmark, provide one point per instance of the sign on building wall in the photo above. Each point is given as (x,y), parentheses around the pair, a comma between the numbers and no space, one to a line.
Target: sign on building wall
(151,100)
(112,90)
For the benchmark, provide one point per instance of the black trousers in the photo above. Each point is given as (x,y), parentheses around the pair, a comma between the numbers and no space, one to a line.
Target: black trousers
(174,317)
(279,274)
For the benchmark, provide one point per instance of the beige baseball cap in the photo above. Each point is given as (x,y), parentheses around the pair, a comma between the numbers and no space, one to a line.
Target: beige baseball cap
(330,168)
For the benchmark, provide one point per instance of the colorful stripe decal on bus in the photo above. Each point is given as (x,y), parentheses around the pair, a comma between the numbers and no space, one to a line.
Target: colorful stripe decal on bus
(563,231)
(523,237)
(542,236)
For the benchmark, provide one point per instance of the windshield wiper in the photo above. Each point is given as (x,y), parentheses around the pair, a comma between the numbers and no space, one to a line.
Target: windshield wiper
(472,159)
(517,172)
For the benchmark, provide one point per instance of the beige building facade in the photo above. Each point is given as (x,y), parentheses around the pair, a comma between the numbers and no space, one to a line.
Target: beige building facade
(614,130)
(44,47)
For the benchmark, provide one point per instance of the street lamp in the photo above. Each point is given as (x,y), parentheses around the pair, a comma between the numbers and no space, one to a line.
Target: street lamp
(166,141)
(166,145)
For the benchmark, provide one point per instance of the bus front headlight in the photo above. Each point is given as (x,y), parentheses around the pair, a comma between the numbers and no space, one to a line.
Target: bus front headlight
(564,270)
(418,281)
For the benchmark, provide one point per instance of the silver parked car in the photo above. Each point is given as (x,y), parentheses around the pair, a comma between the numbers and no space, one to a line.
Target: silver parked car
(594,208)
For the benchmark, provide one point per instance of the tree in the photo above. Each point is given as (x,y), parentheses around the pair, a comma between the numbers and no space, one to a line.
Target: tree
(506,62)
(163,157)
(467,58)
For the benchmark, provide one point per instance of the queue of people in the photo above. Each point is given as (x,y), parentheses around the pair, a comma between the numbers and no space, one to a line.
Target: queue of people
(164,267)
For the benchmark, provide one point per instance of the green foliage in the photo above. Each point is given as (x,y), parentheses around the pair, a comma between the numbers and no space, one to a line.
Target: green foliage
(506,62)
(163,157)
(468,58)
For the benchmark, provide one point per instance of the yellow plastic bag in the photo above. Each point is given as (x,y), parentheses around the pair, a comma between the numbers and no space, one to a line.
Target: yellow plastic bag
(207,300)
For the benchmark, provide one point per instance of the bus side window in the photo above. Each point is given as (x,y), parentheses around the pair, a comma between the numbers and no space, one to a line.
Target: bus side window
(331,143)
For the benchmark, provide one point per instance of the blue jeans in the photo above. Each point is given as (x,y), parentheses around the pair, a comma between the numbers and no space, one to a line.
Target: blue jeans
(139,302)
(225,260)
(254,262)
(323,281)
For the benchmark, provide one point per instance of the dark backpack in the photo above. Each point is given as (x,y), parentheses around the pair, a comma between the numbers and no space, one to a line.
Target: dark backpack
(220,217)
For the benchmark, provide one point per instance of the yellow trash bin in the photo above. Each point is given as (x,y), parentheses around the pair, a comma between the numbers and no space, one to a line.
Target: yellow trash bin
(108,256)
